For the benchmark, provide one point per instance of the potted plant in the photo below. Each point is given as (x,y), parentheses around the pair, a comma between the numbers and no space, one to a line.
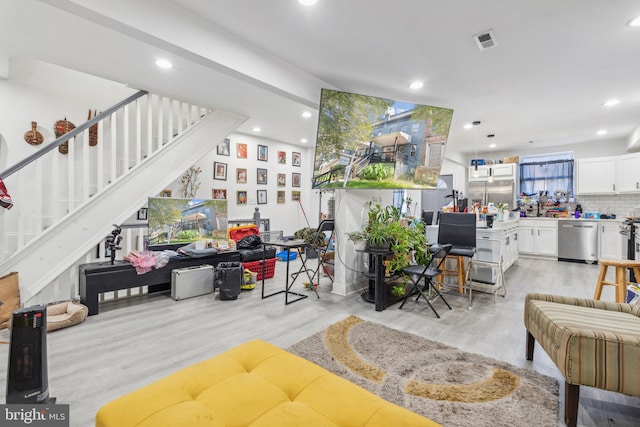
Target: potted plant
(385,231)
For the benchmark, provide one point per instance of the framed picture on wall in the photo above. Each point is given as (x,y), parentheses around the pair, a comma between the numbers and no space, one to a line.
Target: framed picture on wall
(296,159)
(295,179)
(263,153)
(295,196)
(219,194)
(241,150)
(281,197)
(262,176)
(241,175)
(262,197)
(241,197)
(223,147)
(220,171)
(165,193)
(282,179)
(142,214)
(282,157)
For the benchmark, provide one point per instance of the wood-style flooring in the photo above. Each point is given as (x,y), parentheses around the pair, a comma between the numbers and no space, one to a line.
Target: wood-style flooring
(136,341)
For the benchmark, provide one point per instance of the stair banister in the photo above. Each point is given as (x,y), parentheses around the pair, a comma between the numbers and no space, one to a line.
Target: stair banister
(67,136)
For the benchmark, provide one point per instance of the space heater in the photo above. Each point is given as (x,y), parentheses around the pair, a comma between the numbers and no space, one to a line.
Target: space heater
(27,376)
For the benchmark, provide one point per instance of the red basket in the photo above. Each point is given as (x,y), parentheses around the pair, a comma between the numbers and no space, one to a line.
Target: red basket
(256,267)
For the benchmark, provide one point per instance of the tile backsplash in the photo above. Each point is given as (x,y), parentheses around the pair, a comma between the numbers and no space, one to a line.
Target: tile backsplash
(618,204)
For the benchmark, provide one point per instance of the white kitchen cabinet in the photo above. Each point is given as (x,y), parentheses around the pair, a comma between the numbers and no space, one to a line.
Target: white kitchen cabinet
(491,243)
(504,171)
(498,171)
(480,175)
(596,175)
(538,237)
(610,240)
(628,178)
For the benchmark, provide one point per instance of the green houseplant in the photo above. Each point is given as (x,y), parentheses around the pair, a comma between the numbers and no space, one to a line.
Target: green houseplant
(386,229)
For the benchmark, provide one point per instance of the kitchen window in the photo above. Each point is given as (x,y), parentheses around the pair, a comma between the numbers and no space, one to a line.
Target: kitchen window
(547,173)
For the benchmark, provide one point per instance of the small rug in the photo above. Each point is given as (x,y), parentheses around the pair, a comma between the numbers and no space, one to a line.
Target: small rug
(442,383)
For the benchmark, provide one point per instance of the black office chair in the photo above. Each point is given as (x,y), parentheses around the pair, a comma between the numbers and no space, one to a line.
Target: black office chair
(458,230)
(427,273)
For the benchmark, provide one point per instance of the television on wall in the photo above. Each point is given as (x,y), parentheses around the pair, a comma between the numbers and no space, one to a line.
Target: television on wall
(175,221)
(370,142)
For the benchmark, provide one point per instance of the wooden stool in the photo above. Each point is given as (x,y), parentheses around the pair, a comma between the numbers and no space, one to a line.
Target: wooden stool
(458,271)
(621,266)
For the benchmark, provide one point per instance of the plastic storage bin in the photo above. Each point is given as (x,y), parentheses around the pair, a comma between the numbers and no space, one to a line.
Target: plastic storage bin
(256,267)
(282,255)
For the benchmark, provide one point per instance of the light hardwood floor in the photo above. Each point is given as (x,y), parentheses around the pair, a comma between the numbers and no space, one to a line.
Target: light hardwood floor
(136,341)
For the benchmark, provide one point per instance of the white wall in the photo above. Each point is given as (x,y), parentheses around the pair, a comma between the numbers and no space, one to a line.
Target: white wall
(459,172)
(288,216)
(45,93)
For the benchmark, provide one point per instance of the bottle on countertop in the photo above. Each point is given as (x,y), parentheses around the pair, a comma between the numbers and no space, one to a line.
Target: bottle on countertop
(578,212)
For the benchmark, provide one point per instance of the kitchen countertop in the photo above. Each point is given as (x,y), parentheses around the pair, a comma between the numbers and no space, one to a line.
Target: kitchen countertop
(570,219)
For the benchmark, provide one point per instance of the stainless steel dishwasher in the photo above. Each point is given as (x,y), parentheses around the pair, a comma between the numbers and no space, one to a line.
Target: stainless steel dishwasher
(578,240)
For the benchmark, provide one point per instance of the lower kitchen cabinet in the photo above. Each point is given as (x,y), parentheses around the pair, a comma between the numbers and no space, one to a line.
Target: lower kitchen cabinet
(491,244)
(538,237)
(610,240)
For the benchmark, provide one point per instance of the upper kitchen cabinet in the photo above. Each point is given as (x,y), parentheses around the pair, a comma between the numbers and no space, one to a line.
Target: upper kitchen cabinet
(504,171)
(607,175)
(479,175)
(596,176)
(501,171)
(628,179)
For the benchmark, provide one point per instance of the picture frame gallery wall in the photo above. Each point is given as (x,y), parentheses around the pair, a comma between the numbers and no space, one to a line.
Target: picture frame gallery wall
(251,172)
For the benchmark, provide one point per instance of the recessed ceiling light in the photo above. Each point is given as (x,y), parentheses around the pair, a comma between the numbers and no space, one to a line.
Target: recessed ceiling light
(468,126)
(304,140)
(611,102)
(257,129)
(164,63)
(492,145)
(635,22)
(416,85)
(601,132)
(306,114)
(308,2)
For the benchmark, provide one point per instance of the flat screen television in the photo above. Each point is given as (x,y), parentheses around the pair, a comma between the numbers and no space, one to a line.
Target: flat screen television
(369,142)
(175,221)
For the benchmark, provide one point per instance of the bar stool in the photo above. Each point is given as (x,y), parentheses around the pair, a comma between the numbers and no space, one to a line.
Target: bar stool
(621,266)
(458,230)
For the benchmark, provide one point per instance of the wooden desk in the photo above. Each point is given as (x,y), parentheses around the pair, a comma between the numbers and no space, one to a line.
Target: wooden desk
(99,277)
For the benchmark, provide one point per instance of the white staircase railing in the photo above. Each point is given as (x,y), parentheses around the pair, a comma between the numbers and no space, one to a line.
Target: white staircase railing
(64,204)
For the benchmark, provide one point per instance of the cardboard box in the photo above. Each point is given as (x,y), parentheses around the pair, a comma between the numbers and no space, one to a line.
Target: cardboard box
(515,159)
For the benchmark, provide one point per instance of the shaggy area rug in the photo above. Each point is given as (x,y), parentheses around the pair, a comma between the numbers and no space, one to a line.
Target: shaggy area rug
(442,383)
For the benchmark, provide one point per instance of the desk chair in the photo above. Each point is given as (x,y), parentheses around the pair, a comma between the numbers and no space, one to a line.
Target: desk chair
(428,273)
(458,230)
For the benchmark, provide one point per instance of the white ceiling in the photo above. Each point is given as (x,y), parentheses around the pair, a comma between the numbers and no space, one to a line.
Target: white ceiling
(554,65)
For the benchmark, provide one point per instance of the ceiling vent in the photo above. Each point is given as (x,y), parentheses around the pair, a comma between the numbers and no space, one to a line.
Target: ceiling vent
(485,40)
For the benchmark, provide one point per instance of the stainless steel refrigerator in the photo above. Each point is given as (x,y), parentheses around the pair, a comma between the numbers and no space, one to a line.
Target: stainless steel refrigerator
(498,191)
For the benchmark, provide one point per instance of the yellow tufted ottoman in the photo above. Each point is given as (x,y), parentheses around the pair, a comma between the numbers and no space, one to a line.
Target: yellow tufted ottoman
(255,384)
